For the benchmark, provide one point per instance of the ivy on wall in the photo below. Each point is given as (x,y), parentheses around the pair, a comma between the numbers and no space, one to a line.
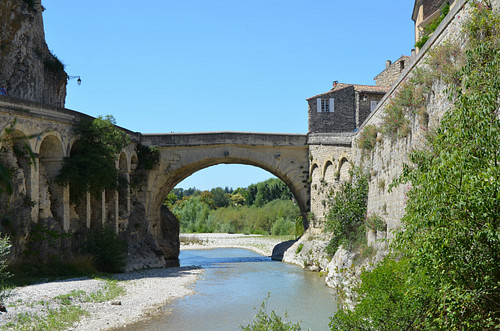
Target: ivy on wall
(91,166)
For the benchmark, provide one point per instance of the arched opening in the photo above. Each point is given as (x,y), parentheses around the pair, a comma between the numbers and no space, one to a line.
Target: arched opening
(330,173)
(15,156)
(235,199)
(345,168)
(316,191)
(16,193)
(52,196)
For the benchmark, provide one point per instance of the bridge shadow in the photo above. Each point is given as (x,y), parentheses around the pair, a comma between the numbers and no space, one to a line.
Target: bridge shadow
(280,249)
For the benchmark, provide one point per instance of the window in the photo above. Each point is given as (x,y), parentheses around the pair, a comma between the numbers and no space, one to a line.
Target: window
(373,105)
(325,105)
(401,65)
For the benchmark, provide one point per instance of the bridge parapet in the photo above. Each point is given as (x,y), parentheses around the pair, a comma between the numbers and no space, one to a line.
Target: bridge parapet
(224,138)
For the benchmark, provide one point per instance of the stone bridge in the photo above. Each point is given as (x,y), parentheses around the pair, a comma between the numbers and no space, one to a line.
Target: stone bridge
(137,214)
(182,154)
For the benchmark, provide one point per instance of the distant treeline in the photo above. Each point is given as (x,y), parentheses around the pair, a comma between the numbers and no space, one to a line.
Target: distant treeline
(263,208)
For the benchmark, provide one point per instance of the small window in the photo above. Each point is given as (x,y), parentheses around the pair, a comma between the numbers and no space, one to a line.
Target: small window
(373,105)
(401,65)
(325,105)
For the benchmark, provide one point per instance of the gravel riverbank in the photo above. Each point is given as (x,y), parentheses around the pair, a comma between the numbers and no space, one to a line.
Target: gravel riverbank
(262,245)
(147,292)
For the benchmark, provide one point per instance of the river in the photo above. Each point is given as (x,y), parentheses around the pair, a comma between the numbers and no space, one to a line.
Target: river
(234,285)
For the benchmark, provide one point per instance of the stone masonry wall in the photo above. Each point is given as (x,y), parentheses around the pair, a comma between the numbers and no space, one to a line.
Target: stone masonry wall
(391,74)
(363,107)
(342,119)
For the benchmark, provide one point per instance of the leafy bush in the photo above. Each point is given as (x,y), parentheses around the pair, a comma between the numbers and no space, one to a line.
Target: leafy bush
(395,124)
(107,249)
(368,137)
(429,29)
(197,214)
(148,156)
(346,213)
(272,322)
(385,300)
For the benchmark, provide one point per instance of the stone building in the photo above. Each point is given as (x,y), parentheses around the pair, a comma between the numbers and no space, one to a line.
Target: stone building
(392,71)
(426,11)
(343,108)
(346,106)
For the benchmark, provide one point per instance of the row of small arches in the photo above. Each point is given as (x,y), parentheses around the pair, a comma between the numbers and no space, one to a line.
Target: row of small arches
(331,171)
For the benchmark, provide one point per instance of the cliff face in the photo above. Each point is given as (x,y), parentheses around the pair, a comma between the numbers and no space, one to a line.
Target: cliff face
(28,70)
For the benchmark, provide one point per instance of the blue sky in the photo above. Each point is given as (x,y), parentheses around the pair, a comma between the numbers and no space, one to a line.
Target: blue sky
(220,65)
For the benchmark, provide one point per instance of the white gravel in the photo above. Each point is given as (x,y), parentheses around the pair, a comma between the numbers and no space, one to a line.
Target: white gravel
(147,292)
(262,245)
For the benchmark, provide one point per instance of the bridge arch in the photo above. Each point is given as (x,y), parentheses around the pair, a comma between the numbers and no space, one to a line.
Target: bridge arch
(181,155)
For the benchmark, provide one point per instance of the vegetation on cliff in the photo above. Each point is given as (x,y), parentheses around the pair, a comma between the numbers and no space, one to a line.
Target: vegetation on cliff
(263,208)
(91,166)
(443,272)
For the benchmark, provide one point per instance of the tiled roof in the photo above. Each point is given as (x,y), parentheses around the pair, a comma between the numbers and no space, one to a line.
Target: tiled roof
(357,87)
(371,88)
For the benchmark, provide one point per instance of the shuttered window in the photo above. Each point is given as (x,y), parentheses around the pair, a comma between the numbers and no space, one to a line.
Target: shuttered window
(325,105)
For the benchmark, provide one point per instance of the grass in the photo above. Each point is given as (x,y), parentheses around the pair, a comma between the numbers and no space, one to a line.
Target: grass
(69,310)
(56,319)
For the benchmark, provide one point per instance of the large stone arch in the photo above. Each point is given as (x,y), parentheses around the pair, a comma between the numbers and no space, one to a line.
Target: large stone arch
(175,176)
(285,156)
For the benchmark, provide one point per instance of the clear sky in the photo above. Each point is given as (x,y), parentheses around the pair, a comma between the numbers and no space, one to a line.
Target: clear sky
(220,65)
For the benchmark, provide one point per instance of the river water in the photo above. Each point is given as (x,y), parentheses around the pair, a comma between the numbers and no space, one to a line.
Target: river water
(233,287)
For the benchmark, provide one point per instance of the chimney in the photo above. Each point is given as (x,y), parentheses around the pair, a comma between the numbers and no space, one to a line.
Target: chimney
(335,83)
(413,52)
(387,64)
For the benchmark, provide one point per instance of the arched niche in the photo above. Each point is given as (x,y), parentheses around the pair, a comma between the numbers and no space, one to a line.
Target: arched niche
(345,168)
(16,155)
(51,195)
(329,175)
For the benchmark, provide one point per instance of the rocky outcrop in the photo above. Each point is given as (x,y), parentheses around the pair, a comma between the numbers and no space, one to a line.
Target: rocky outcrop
(28,70)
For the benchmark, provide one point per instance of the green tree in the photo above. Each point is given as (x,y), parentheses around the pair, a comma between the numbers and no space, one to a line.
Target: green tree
(91,166)
(221,198)
(346,212)
(236,199)
(208,198)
